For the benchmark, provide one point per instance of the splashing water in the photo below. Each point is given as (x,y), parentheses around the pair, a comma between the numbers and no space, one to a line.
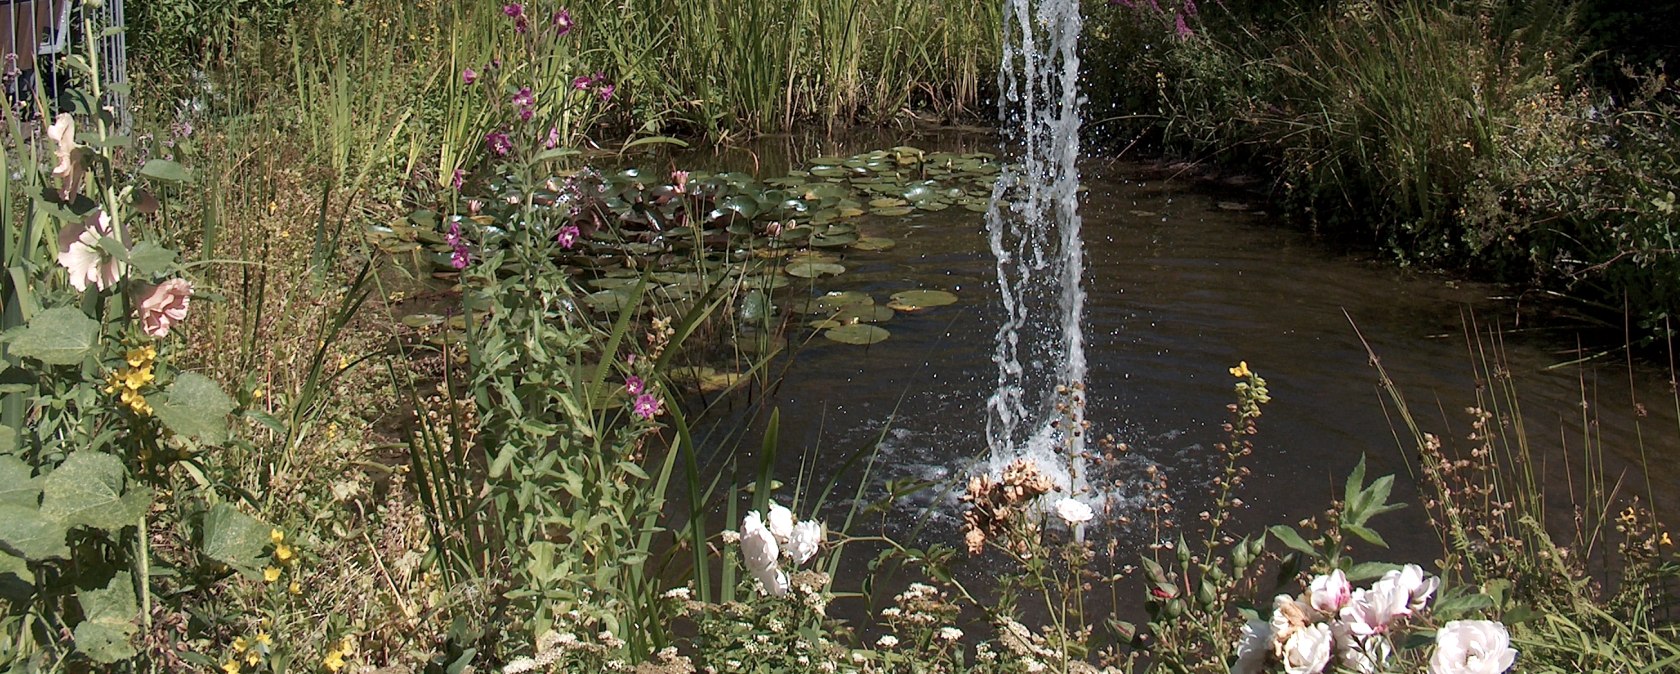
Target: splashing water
(1037,411)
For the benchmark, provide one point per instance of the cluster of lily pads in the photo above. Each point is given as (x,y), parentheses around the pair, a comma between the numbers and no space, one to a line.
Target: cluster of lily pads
(677,235)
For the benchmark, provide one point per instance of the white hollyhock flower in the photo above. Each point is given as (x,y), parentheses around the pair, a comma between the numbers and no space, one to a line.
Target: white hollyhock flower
(1074,512)
(1330,592)
(807,537)
(1308,650)
(780,521)
(1410,580)
(1472,647)
(1252,647)
(1366,655)
(758,550)
(1370,611)
(1288,615)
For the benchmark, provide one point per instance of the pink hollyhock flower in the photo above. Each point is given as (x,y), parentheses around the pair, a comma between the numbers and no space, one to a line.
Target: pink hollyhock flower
(1331,592)
(80,253)
(633,384)
(69,170)
(647,406)
(161,306)
(468,76)
(568,236)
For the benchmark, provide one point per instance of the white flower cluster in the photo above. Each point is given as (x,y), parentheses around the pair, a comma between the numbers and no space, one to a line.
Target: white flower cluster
(767,538)
(1333,621)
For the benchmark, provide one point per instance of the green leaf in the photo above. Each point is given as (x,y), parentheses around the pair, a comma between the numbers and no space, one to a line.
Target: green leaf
(235,538)
(61,336)
(17,482)
(109,620)
(150,258)
(1460,604)
(25,532)
(194,406)
(166,171)
(17,582)
(1288,536)
(1369,570)
(88,490)
(1367,535)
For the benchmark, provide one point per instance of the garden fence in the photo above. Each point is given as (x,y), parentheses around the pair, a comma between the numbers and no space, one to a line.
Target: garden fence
(36,34)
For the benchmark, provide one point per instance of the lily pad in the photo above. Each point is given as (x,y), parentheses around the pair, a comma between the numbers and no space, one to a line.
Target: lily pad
(809,269)
(833,240)
(861,334)
(825,323)
(422,320)
(863,313)
(886,202)
(607,300)
(917,300)
(893,212)
(874,243)
(832,302)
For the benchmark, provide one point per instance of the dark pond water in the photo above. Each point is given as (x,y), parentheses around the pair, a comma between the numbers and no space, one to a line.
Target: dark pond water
(1183,285)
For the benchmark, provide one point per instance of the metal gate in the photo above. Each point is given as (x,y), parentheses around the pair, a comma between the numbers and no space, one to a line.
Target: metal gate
(36,34)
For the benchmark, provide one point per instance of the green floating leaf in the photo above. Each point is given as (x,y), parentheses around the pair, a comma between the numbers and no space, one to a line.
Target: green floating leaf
(832,302)
(857,333)
(874,243)
(917,300)
(27,533)
(166,171)
(195,407)
(61,336)
(814,269)
(418,321)
(109,620)
(894,212)
(887,202)
(863,313)
(235,539)
(833,240)
(90,489)
(607,300)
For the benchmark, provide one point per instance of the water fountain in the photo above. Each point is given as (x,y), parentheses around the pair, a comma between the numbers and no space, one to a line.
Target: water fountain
(1037,410)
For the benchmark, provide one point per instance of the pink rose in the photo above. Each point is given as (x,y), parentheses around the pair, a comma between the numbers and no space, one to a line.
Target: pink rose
(80,253)
(161,306)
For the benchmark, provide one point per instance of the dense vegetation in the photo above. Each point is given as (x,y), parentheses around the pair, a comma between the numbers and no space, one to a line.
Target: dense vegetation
(225,448)
(1530,141)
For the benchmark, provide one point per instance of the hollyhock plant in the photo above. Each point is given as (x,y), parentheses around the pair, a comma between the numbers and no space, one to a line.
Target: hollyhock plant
(647,406)
(1073,512)
(759,551)
(161,306)
(66,150)
(88,262)
(1331,592)
(780,521)
(582,82)
(802,545)
(633,384)
(1308,650)
(1472,647)
(1253,647)
(562,22)
(499,143)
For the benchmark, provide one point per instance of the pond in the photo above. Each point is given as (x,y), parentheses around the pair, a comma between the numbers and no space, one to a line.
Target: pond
(1185,280)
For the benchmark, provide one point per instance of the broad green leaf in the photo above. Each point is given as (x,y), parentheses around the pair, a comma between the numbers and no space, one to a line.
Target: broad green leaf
(165,170)
(88,490)
(234,538)
(1289,537)
(61,336)
(150,258)
(1367,535)
(17,482)
(1369,570)
(194,406)
(17,582)
(26,532)
(109,620)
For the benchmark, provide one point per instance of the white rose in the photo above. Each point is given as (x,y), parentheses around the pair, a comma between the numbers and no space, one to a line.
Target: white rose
(1370,611)
(807,537)
(780,522)
(1074,512)
(1252,647)
(1410,579)
(1308,650)
(1365,655)
(1472,647)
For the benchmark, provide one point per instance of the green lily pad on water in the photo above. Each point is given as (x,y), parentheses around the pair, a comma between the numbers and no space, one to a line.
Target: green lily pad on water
(824,323)
(893,212)
(917,300)
(833,240)
(808,269)
(886,202)
(607,300)
(874,243)
(863,313)
(861,334)
(418,321)
(832,302)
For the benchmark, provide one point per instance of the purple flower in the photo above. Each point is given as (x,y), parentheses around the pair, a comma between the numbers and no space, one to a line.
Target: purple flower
(606,92)
(582,82)
(562,22)
(525,114)
(568,236)
(460,255)
(458,179)
(1190,7)
(499,143)
(633,384)
(524,98)
(514,10)
(553,140)
(647,406)
(1182,28)
(468,76)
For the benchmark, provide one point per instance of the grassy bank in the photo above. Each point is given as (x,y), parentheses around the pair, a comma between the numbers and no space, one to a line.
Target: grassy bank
(1507,139)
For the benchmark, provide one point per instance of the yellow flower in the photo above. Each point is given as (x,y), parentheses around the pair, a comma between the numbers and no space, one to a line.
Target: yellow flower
(294,588)
(137,377)
(263,642)
(253,658)
(140,355)
(239,644)
(231,667)
(276,536)
(1628,516)
(283,553)
(271,574)
(333,662)
(1665,540)
(1241,370)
